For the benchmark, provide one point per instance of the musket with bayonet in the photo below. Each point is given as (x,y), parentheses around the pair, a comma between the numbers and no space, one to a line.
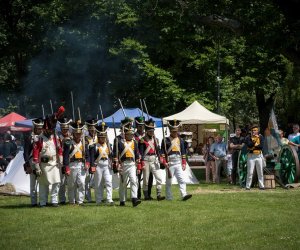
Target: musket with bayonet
(107,141)
(155,140)
(83,139)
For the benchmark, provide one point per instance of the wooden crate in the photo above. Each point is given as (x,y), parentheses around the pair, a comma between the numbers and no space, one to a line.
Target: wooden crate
(269,181)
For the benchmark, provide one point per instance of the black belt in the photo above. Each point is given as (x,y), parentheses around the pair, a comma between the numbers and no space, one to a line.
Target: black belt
(103,159)
(128,159)
(76,159)
(174,153)
(251,151)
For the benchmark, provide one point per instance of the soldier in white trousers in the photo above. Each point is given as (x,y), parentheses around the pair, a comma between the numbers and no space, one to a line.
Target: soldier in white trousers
(28,147)
(255,143)
(150,154)
(101,158)
(64,138)
(126,153)
(174,160)
(76,163)
(91,140)
(47,156)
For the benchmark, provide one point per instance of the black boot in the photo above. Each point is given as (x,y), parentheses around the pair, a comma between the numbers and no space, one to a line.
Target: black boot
(160,198)
(135,202)
(122,203)
(146,196)
(188,196)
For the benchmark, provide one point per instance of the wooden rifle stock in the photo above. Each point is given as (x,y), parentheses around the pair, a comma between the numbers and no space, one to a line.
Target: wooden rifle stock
(165,149)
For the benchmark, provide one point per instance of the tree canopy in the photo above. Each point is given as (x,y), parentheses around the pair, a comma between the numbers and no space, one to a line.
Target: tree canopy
(165,51)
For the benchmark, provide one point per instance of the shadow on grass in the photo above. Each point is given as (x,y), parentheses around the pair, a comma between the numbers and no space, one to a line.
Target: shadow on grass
(10,206)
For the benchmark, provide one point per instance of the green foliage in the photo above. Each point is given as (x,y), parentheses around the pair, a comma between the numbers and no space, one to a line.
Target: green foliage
(166,51)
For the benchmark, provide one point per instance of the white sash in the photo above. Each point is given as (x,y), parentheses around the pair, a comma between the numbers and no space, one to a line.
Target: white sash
(151,146)
(174,144)
(127,146)
(103,153)
(76,149)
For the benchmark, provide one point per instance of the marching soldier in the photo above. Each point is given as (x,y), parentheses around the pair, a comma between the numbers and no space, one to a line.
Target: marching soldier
(101,157)
(138,135)
(76,163)
(28,147)
(174,159)
(47,154)
(149,150)
(126,154)
(255,143)
(91,140)
(64,138)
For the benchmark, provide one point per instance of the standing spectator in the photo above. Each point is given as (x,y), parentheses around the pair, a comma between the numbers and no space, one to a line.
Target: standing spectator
(9,149)
(3,162)
(295,132)
(255,143)
(210,161)
(219,151)
(236,143)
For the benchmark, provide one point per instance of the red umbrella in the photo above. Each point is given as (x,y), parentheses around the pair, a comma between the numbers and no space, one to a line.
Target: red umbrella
(8,123)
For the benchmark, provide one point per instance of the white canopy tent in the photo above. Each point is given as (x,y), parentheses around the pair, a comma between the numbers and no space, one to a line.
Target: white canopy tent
(197,114)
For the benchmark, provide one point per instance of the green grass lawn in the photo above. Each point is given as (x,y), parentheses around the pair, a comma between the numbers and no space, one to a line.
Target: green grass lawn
(217,217)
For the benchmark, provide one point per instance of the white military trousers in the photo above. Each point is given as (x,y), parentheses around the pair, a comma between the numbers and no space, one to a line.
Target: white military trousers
(76,182)
(152,166)
(128,171)
(255,160)
(175,167)
(49,183)
(44,190)
(103,175)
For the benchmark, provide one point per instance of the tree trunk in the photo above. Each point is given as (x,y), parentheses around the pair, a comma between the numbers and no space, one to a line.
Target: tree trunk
(264,107)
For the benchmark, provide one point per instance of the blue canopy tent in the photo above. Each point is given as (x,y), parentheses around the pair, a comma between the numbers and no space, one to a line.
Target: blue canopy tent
(25,124)
(130,112)
(28,124)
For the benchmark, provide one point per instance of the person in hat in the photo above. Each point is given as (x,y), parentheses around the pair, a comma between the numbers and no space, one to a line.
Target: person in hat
(126,154)
(255,143)
(138,135)
(101,158)
(64,138)
(150,154)
(28,148)
(174,159)
(76,163)
(91,140)
(47,154)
